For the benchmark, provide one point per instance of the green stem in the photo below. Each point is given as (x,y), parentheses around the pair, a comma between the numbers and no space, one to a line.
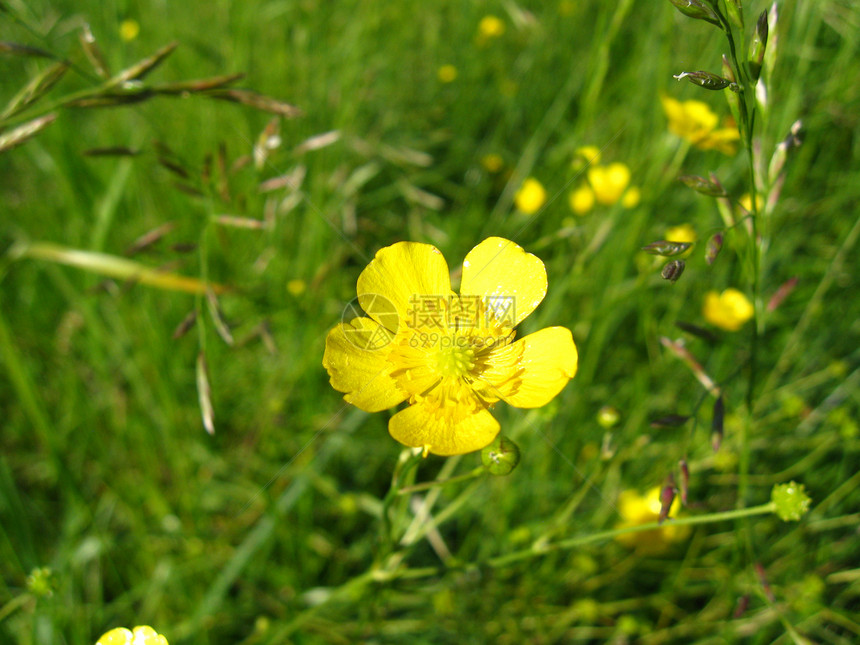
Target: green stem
(477,472)
(582,540)
(13,605)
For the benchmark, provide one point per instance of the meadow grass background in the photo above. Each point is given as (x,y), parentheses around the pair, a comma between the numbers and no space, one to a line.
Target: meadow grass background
(266,531)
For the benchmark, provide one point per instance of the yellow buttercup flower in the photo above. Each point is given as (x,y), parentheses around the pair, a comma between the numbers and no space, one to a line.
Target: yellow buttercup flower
(728,310)
(682,233)
(581,200)
(585,155)
(296,287)
(746,202)
(450,356)
(447,74)
(609,182)
(631,197)
(697,123)
(636,509)
(129,29)
(530,197)
(141,635)
(490,27)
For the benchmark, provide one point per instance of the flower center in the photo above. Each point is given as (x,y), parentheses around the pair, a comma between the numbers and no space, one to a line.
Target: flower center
(455,361)
(443,359)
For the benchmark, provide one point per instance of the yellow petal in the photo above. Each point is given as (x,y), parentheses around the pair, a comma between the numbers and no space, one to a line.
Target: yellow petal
(356,360)
(146,635)
(545,362)
(116,636)
(398,274)
(443,431)
(510,281)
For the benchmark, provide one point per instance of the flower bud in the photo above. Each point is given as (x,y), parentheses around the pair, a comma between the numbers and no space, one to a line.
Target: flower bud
(41,582)
(608,416)
(757,46)
(702,185)
(707,80)
(736,13)
(791,501)
(501,456)
(697,10)
(667,496)
(673,270)
(713,247)
(667,249)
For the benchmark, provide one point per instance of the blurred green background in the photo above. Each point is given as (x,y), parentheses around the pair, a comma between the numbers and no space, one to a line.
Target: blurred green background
(264,532)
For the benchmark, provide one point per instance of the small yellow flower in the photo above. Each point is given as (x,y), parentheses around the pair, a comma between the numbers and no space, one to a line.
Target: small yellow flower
(141,635)
(449,356)
(128,30)
(697,123)
(581,200)
(681,233)
(728,310)
(296,287)
(746,202)
(530,197)
(631,197)
(609,182)
(492,162)
(636,509)
(490,27)
(585,156)
(447,74)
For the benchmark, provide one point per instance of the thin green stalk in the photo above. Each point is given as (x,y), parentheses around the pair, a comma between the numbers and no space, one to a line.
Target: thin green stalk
(476,472)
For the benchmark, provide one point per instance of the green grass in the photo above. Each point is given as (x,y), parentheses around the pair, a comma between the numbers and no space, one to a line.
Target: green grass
(270,530)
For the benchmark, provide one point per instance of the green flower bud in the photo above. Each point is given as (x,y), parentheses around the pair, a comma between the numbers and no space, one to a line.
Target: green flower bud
(702,185)
(707,80)
(608,416)
(713,247)
(501,456)
(736,14)
(791,501)
(697,10)
(41,582)
(667,249)
(757,46)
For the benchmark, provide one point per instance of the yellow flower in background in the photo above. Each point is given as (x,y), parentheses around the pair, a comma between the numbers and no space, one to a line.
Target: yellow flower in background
(682,233)
(585,156)
(447,74)
(296,287)
(492,162)
(128,30)
(530,197)
(490,27)
(609,182)
(728,310)
(636,509)
(449,356)
(142,635)
(746,202)
(697,123)
(581,200)
(631,198)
